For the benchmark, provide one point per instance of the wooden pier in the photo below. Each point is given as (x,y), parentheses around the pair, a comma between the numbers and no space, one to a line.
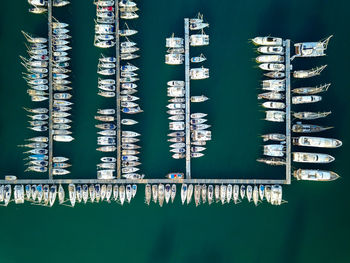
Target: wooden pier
(49,11)
(145,181)
(187,99)
(288,114)
(117,91)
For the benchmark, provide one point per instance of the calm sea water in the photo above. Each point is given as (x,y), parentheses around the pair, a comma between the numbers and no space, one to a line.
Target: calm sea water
(311,227)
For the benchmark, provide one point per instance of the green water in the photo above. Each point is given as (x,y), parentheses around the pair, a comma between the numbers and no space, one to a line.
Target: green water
(312,227)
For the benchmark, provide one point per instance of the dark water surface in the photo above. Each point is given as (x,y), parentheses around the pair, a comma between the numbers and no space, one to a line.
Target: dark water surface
(311,227)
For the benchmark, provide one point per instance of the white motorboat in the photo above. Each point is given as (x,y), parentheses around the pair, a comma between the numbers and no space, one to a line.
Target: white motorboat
(273,50)
(303,157)
(272,66)
(199,73)
(306,99)
(267,41)
(274,150)
(201,98)
(315,175)
(274,105)
(270,59)
(199,39)
(275,116)
(317,142)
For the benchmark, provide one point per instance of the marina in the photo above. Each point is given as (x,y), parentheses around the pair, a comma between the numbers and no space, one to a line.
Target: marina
(188,131)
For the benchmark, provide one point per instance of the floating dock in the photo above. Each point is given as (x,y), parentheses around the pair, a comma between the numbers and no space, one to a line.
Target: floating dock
(117,95)
(187,99)
(288,114)
(49,12)
(145,181)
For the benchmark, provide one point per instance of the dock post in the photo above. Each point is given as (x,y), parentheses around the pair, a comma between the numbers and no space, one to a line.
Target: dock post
(187,99)
(49,10)
(288,114)
(117,95)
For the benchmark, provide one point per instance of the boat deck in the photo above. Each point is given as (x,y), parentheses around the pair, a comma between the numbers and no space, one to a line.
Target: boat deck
(187,98)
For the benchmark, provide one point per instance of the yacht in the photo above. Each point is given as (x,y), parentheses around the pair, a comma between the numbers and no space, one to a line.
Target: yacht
(128,191)
(109,191)
(311,90)
(235,196)
(115,192)
(198,115)
(217,193)
(161,194)
(308,128)
(268,193)
(72,194)
(174,42)
(201,98)
(61,194)
(148,194)
(301,74)
(272,66)
(85,190)
(198,25)
(210,194)
(204,191)
(122,194)
(315,175)
(274,137)
(199,39)
(311,49)
(197,194)
(128,122)
(199,59)
(302,157)
(229,193)
(183,193)
(306,99)
(173,192)
(275,74)
(189,193)
(267,41)
(176,83)
(155,193)
(274,105)
(274,150)
(270,59)
(249,193)
(272,161)
(273,50)
(167,192)
(98,192)
(223,191)
(242,191)
(317,142)
(276,195)
(174,59)
(52,195)
(28,192)
(199,73)
(307,115)
(275,116)
(92,193)
(255,195)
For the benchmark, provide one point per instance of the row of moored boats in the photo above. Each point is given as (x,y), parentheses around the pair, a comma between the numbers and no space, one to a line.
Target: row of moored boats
(47,76)
(272,52)
(176,91)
